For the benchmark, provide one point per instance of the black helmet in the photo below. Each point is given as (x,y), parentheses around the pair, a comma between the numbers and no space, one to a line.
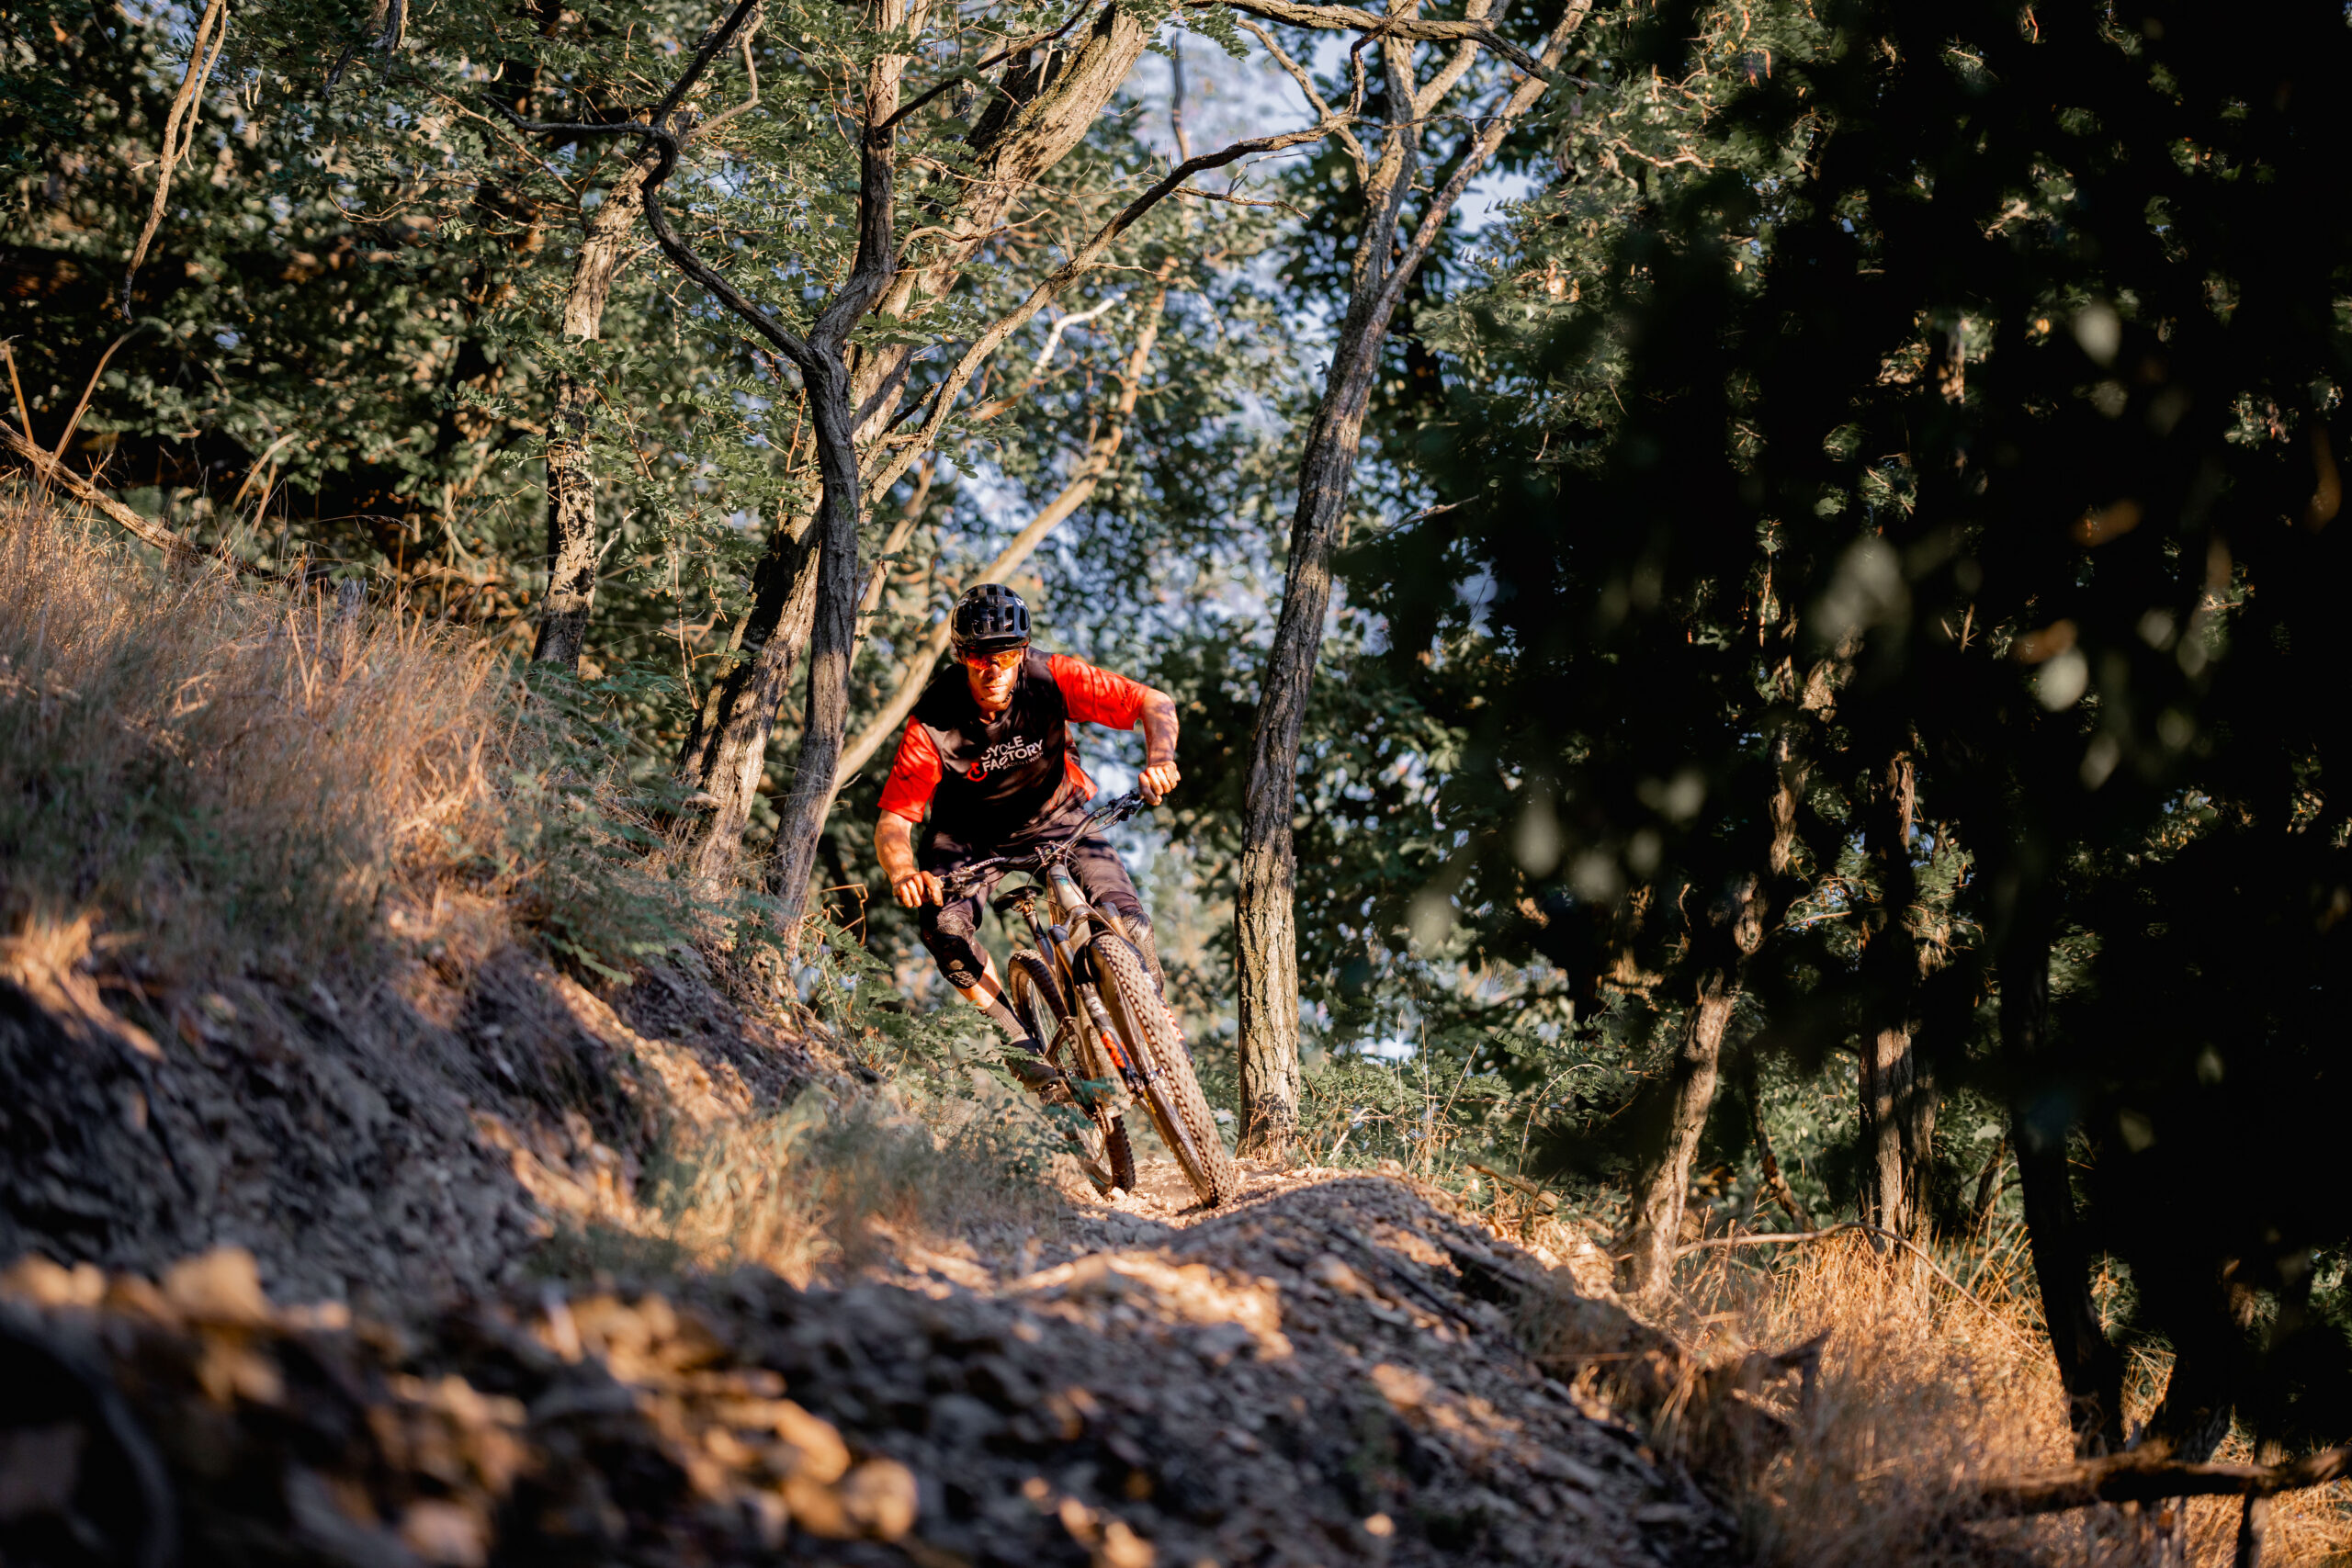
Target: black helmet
(990,619)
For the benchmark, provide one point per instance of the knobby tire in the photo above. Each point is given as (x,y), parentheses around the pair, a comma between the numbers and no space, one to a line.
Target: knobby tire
(1171,1092)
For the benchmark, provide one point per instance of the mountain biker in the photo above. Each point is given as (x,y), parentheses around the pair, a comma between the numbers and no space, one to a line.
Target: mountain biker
(987,753)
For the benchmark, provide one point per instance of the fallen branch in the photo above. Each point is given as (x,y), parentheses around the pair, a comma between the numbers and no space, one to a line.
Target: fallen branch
(2146,1476)
(55,472)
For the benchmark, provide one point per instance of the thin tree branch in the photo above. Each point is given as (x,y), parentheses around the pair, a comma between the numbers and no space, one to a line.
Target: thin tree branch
(890,467)
(180,130)
(1351,18)
(751,69)
(1298,73)
(1480,11)
(73,421)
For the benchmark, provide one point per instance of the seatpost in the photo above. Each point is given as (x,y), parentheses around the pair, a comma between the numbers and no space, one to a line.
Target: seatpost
(1026,907)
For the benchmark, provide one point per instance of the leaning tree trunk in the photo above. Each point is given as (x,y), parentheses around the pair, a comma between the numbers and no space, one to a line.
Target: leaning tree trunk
(1664,1188)
(726,750)
(571,483)
(1732,930)
(2088,1364)
(1265,923)
(1265,919)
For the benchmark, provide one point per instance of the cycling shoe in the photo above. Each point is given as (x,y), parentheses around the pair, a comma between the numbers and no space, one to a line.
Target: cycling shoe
(1027,1061)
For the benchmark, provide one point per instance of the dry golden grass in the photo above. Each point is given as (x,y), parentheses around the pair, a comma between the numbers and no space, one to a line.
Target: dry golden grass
(192,758)
(1921,1392)
(226,775)
(841,1182)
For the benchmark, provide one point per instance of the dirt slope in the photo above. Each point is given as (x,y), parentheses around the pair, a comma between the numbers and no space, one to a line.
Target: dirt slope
(1319,1374)
(391,1137)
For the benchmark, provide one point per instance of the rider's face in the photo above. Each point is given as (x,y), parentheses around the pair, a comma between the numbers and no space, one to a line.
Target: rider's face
(993,675)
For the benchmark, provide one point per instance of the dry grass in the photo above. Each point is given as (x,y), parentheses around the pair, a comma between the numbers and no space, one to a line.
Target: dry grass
(1920,1392)
(838,1184)
(239,777)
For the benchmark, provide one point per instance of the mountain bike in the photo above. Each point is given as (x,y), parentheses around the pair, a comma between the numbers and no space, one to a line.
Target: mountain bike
(1086,989)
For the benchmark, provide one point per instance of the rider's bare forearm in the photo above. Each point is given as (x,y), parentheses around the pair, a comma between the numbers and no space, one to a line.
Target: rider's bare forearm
(894,846)
(894,850)
(1158,728)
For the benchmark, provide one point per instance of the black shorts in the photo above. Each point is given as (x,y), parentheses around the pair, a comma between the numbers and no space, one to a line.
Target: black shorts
(949,931)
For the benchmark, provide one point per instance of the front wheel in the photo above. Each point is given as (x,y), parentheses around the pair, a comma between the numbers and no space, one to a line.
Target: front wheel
(1101,1146)
(1177,1107)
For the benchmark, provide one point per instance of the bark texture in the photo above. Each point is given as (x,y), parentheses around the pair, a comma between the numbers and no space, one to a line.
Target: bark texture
(1265,914)
(571,483)
(1897,1089)
(1731,931)
(2088,1363)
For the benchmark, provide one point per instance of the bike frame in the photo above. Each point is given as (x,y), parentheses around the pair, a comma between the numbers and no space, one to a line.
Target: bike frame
(1065,945)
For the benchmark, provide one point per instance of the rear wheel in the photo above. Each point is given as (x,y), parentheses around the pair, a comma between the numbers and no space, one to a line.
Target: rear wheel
(1171,1089)
(1102,1147)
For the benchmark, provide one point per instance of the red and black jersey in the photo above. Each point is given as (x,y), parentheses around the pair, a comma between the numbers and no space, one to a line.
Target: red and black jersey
(984,778)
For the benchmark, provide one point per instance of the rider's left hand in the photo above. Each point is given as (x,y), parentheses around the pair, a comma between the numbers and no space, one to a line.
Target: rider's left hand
(1159,779)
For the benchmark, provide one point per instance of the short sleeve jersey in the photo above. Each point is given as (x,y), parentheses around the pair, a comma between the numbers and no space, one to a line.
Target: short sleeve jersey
(984,778)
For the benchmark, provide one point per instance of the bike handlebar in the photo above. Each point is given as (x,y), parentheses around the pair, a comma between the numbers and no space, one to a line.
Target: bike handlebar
(954,883)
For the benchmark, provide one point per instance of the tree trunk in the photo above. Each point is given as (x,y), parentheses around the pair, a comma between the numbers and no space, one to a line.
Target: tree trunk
(1265,922)
(727,748)
(1729,934)
(1897,1091)
(1265,915)
(1266,918)
(2088,1364)
(832,643)
(571,483)
(1664,1189)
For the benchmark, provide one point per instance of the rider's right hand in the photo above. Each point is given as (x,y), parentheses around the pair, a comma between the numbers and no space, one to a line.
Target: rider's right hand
(917,888)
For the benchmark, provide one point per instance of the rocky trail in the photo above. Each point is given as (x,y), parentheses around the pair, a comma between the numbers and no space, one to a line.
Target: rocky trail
(1321,1374)
(331,1351)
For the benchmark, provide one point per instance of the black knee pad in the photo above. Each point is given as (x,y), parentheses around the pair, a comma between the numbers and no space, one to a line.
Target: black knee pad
(949,938)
